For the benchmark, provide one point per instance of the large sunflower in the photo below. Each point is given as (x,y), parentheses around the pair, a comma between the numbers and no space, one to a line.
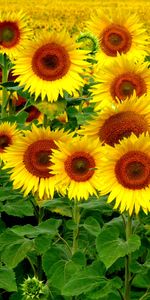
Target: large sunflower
(14,32)
(125,174)
(119,32)
(118,121)
(119,79)
(28,160)
(8,136)
(51,65)
(76,166)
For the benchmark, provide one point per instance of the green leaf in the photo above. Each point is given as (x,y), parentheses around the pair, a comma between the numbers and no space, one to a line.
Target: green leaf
(104,289)
(8,238)
(15,253)
(42,243)
(83,281)
(7,279)
(92,226)
(142,280)
(110,247)
(18,208)
(79,258)
(50,257)
(49,226)
(26,230)
(80,284)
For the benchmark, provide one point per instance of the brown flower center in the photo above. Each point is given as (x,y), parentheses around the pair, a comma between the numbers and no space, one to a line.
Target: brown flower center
(124,85)
(9,34)
(133,170)
(51,62)
(121,125)
(5,141)
(80,166)
(115,38)
(36,158)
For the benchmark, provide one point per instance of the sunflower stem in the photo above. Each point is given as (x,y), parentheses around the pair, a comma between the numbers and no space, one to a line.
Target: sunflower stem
(76,219)
(128,260)
(4,90)
(45,120)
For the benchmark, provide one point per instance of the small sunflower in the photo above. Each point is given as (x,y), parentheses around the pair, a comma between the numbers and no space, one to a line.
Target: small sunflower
(76,166)
(14,32)
(116,122)
(8,136)
(51,65)
(125,174)
(119,32)
(33,112)
(119,79)
(29,162)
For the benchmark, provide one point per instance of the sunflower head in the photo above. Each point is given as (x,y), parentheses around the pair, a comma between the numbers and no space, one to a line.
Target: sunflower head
(119,80)
(29,161)
(8,136)
(50,65)
(125,174)
(119,33)
(76,166)
(14,32)
(118,121)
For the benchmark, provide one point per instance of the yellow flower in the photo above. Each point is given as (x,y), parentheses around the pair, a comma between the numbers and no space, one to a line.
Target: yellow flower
(118,121)
(76,166)
(118,79)
(28,160)
(50,65)
(119,32)
(8,136)
(125,174)
(14,32)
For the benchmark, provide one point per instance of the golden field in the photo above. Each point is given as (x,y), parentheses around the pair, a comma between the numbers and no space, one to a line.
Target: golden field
(57,14)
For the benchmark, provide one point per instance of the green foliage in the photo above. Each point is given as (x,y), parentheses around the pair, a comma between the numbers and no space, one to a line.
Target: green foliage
(110,247)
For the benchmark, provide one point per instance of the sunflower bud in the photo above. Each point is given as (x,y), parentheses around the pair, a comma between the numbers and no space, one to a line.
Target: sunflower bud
(88,41)
(33,289)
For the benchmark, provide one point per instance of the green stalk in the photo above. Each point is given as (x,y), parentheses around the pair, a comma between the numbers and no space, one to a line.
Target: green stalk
(45,121)
(4,90)
(76,219)
(128,260)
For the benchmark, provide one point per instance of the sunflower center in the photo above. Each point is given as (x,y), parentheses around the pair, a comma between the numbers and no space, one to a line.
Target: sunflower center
(124,85)
(5,141)
(43,157)
(36,158)
(33,113)
(115,38)
(9,34)
(133,170)
(121,125)
(80,166)
(51,62)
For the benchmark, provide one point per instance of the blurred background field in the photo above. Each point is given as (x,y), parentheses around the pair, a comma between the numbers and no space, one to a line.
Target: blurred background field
(57,14)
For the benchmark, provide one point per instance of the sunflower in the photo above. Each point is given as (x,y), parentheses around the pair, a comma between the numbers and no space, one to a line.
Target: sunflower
(28,160)
(14,32)
(76,166)
(119,79)
(115,122)
(8,136)
(125,174)
(119,32)
(50,65)
(33,112)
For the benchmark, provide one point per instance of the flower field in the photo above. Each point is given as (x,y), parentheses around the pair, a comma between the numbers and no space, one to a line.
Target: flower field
(74,150)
